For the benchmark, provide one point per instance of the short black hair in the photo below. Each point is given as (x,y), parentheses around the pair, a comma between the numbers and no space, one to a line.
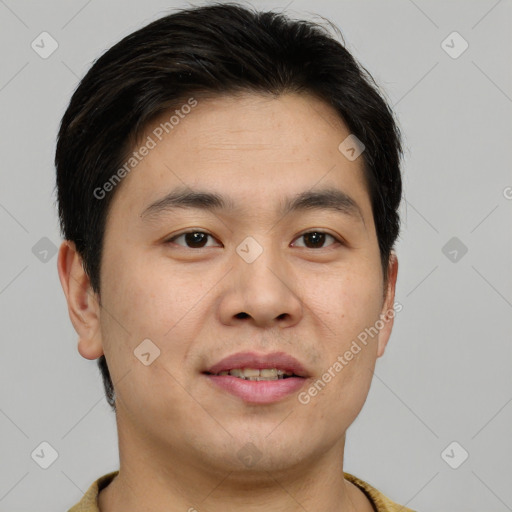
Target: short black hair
(209,51)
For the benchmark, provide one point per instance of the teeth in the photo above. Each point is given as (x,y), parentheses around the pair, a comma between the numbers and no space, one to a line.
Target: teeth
(256,374)
(250,372)
(268,373)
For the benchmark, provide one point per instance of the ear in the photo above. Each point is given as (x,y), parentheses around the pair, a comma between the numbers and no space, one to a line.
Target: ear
(83,303)
(388,313)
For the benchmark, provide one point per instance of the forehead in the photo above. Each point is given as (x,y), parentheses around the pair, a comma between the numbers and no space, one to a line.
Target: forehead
(250,148)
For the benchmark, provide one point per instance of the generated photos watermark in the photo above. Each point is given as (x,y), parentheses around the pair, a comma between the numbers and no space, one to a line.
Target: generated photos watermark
(151,142)
(343,360)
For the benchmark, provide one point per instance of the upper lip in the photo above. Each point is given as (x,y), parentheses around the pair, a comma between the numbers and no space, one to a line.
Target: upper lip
(278,360)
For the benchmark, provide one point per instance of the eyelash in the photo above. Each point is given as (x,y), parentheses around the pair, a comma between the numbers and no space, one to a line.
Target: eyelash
(171,240)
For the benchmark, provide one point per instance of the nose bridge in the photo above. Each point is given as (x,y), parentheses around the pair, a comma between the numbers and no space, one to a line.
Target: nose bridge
(259,260)
(266,289)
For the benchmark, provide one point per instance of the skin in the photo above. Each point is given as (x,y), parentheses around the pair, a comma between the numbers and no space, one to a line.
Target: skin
(179,436)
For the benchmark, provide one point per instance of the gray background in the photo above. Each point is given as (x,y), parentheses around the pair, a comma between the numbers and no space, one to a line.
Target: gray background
(446,373)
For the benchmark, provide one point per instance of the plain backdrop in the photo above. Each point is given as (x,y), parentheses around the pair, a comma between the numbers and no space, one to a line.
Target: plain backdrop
(443,389)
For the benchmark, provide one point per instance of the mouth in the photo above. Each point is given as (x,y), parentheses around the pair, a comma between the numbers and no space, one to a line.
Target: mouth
(256,378)
(250,365)
(257,375)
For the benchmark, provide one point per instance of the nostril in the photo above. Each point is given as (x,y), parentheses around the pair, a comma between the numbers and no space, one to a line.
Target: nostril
(242,315)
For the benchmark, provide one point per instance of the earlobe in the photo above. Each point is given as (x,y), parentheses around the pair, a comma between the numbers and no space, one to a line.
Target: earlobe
(83,303)
(388,311)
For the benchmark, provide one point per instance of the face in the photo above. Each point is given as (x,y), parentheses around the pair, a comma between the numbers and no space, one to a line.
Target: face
(249,276)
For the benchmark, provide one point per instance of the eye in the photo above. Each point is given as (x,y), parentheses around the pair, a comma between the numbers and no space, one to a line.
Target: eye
(316,239)
(196,239)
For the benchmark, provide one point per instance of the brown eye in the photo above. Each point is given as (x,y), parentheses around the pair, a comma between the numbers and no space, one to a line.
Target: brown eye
(193,239)
(316,239)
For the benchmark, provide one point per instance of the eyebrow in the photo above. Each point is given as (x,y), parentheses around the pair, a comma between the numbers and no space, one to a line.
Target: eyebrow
(324,199)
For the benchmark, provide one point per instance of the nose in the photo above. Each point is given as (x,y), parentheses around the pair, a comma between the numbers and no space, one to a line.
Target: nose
(263,292)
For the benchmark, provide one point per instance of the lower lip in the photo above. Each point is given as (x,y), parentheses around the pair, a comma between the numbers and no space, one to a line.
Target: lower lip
(258,392)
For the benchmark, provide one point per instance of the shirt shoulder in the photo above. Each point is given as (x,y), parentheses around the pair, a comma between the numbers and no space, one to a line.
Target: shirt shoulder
(380,502)
(89,501)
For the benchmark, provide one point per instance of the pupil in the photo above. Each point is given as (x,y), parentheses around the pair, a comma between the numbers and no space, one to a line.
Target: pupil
(195,238)
(317,238)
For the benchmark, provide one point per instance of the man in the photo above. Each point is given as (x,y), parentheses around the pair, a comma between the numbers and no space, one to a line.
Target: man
(228,189)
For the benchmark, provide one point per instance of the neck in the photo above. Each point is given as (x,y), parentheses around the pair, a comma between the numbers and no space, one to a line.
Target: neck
(158,479)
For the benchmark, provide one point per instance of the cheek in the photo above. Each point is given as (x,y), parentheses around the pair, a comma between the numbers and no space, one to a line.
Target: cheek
(140,303)
(348,301)
(349,306)
(150,301)
(146,298)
